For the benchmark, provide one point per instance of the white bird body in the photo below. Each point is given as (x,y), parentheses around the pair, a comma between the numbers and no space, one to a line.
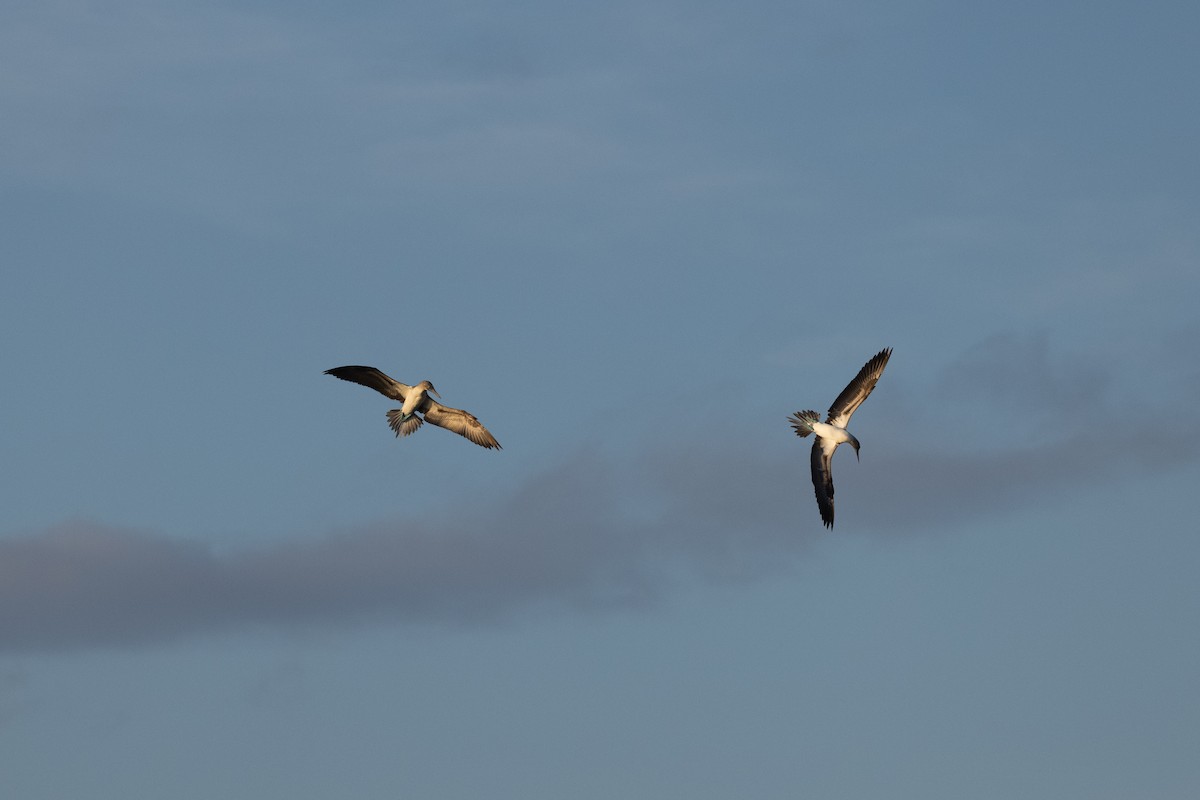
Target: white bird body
(832,432)
(415,395)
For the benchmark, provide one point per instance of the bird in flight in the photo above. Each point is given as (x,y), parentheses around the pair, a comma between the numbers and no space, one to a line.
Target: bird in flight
(832,432)
(417,406)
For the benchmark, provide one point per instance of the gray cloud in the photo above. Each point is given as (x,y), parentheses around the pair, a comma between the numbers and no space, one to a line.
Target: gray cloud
(567,538)
(588,534)
(918,490)
(1051,421)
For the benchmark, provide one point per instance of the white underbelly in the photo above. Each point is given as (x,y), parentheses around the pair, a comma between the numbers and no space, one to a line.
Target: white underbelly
(830,432)
(411,402)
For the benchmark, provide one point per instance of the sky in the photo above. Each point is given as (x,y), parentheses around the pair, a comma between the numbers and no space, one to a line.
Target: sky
(631,238)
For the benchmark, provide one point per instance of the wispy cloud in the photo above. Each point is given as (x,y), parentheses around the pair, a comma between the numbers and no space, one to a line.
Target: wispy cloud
(589,534)
(1022,373)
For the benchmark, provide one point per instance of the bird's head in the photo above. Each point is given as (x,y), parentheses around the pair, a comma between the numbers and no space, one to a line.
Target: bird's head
(428,387)
(854,444)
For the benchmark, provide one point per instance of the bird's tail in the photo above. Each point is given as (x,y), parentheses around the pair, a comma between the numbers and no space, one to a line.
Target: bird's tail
(401,424)
(803,421)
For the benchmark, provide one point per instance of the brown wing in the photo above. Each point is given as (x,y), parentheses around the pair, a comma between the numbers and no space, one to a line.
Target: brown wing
(461,422)
(822,478)
(863,384)
(373,379)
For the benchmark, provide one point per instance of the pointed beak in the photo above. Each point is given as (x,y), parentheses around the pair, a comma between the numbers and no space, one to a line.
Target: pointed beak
(434,392)
(856,456)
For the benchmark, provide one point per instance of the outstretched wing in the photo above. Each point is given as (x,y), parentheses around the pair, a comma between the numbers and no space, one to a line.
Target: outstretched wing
(822,455)
(461,422)
(372,378)
(858,390)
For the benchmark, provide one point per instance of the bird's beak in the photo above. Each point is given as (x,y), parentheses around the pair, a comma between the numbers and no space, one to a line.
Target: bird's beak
(856,456)
(434,392)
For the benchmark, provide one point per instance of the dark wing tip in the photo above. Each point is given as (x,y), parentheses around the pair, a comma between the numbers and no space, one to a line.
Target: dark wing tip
(877,362)
(825,504)
(480,436)
(351,369)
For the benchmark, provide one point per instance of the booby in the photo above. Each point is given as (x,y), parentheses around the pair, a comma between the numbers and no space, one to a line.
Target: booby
(416,401)
(832,431)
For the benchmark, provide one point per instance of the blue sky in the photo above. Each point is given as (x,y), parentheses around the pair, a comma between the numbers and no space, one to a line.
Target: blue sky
(631,239)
